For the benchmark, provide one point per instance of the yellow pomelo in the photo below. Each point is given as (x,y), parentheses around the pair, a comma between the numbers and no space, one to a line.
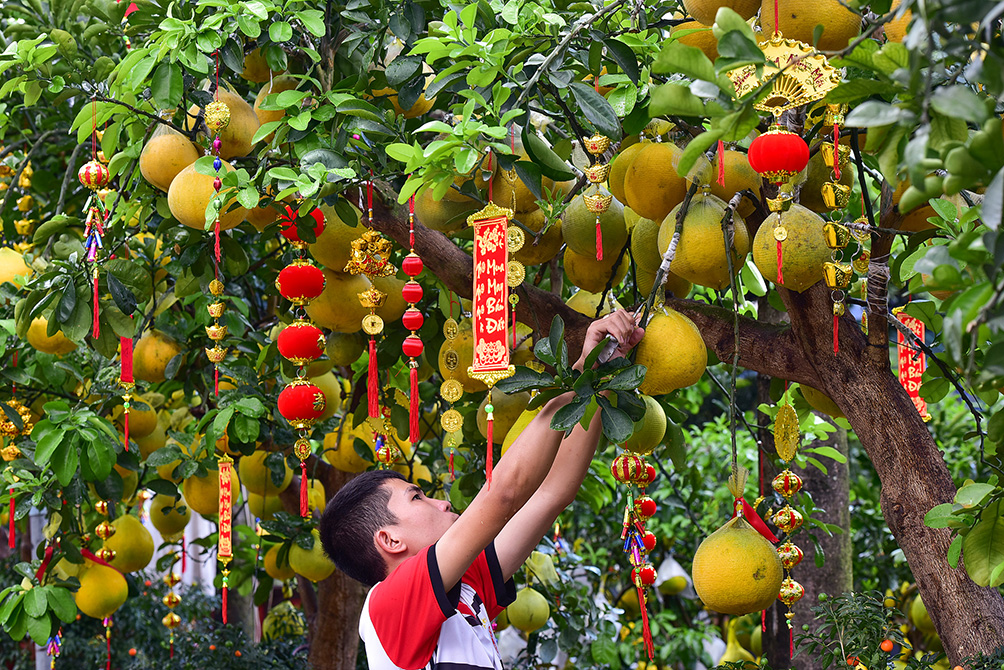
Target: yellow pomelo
(803,252)
(592,275)
(675,286)
(703,38)
(331,386)
(921,619)
(540,568)
(334,245)
(191,192)
(798,21)
(38,338)
(272,567)
(317,498)
(151,355)
(130,482)
(674,585)
(152,442)
(674,366)
(256,70)
(283,621)
(165,154)
(257,477)
(508,189)
(585,302)
(820,402)
(631,219)
(447,215)
(700,254)
(529,611)
(202,494)
(736,570)
(738,176)
(341,453)
(338,306)
(13,269)
(463,344)
(705,10)
(142,418)
(420,106)
(345,348)
(649,431)
(734,652)
(645,244)
(817,174)
(277,85)
(394,305)
(619,167)
(652,186)
(546,247)
(236,137)
(102,590)
(262,214)
(263,507)
(578,226)
(132,544)
(415,472)
(895,30)
(756,641)
(507,409)
(522,422)
(314,564)
(166,518)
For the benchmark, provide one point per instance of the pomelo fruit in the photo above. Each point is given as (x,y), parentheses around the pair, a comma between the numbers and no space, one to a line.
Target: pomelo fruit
(803,252)
(313,564)
(190,194)
(165,154)
(700,254)
(736,570)
(671,368)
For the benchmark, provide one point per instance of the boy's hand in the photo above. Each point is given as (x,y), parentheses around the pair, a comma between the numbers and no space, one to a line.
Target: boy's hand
(621,325)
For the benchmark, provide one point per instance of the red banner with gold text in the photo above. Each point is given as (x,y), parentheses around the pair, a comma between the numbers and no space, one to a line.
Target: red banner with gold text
(491,294)
(911,361)
(226,549)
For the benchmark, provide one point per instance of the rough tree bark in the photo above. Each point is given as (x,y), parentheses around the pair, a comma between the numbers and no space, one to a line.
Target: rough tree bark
(969,619)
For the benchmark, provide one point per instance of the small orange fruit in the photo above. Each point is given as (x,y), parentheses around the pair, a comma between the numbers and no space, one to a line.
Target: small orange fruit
(886,646)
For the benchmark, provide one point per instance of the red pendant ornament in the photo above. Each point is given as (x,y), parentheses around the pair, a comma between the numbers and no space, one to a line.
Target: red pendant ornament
(225,546)
(412,320)
(301,403)
(778,155)
(288,228)
(300,282)
(301,342)
(911,360)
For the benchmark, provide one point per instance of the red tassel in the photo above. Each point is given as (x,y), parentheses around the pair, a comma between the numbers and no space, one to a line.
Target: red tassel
(10,521)
(97,326)
(108,643)
(836,152)
(721,163)
(125,427)
(763,621)
(373,382)
(836,332)
(304,511)
(791,641)
(646,631)
(224,603)
(599,239)
(172,646)
(216,381)
(488,457)
(414,433)
(780,277)
(216,230)
(453,476)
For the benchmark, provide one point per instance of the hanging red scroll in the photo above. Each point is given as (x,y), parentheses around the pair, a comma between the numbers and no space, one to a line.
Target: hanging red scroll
(912,362)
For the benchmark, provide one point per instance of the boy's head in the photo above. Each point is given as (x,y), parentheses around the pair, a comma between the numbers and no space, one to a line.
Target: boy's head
(377,520)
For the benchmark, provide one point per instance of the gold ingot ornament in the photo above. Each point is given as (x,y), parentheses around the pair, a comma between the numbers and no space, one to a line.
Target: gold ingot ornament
(596,144)
(835,196)
(837,275)
(836,235)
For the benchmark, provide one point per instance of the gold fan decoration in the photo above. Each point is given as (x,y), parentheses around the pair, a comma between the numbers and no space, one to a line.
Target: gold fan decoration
(797,73)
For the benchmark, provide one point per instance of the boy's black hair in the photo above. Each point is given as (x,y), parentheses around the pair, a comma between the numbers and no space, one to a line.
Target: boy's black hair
(349,521)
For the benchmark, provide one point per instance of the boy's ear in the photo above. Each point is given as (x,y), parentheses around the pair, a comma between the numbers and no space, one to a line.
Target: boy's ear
(388,541)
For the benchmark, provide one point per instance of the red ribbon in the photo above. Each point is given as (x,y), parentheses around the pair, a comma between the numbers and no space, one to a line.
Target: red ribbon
(96,330)
(452,475)
(599,239)
(224,603)
(753,518)
(91,556)
(836,333)
(10,520)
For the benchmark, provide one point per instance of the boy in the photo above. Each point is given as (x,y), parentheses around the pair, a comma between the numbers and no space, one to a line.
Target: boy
(440,579)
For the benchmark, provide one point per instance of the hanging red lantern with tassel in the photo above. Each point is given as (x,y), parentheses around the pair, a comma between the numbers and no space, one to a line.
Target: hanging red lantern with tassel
(288,228)
(412,319)
(778,155)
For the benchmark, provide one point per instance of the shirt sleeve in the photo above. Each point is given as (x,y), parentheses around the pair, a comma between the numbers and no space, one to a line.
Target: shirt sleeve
(408,609)
(485,576)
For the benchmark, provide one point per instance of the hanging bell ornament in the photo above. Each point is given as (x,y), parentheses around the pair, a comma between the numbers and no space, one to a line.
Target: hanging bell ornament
(788,519)
(94,175)
(791,591)
(217,116)
(787,483)
(790,555)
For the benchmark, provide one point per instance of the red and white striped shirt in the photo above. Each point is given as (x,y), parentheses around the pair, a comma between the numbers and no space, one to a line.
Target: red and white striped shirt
(410,622)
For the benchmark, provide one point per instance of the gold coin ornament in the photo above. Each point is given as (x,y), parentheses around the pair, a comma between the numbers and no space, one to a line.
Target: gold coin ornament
(451,390)
(514,239)
(451,329)
(451,420)
(372,324)
(515,273)
(780,233)
(451,360)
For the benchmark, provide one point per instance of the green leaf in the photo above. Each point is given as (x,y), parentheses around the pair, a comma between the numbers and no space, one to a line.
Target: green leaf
(854,90)
(959,102)
(727,20)
(39,629)
(983,547)
(736,50)
(166,454)
(675,100)
(628,379)
(695,148)
(557,339)
(67,303)
(972,495)
(166,85)
(35,602)
(61,602)
(550,164)
(524,379)
(46,444)
(686,60)
(873,113)
(100,457)
(123,297)
(280,31)
(65,460)
(624,57)
(617,425)
(939,516)
(313,21)
(828,452)
(569,415)
(597,110)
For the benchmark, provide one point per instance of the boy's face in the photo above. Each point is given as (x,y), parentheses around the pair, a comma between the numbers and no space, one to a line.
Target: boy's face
(421,520)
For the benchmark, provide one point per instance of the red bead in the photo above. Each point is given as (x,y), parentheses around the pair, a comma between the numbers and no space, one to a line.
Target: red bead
(412,346)
(648,540)
(645,507)
(412,292)
(412,319)
(287,223)
(778,155)
(301,342)
(217,184)
(412,265)
(300,282)
(649,475)
(301,403)
(646,574)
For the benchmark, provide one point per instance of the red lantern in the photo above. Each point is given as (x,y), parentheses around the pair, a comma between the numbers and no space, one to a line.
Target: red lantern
(787,483)
(778,155)
(648,540)
(644,574)
(300,282)
(301,342)
(94,175)
(645,507)
(412,292)
(627,467)
(647,477)
(287,223)
(301,403)
(412,319)
(412,265)
(412,346)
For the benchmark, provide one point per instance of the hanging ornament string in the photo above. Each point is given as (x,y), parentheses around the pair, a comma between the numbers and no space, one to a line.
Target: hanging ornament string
(9,432)
(127,382)
(451,390)
(412,320)
(217,119)
(597,202)
(94,175)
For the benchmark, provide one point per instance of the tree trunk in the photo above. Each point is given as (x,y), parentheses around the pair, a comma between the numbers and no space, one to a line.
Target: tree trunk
(830,493)
(969,619)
